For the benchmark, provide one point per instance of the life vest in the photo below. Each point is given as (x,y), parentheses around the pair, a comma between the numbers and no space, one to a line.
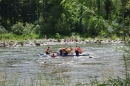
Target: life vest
(76,49)
(80,50)
(68,50)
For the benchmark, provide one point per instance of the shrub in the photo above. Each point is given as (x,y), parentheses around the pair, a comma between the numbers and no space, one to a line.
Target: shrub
(27,29)
(18,28)
(114,37)
(58,36)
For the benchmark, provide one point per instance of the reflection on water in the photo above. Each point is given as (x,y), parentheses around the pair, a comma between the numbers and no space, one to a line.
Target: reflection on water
(25,63)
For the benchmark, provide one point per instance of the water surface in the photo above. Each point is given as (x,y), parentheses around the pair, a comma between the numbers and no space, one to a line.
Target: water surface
(23,64)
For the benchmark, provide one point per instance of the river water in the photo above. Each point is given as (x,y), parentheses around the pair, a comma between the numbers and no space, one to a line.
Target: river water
(23,65)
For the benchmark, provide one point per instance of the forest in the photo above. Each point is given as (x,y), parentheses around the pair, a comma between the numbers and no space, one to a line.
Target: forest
(87,18)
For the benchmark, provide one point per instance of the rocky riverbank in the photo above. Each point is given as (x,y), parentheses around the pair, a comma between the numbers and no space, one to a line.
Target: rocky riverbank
(42,42)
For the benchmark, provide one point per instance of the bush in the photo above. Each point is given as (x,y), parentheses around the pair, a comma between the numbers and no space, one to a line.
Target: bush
(114,37)
(58,36)
(28,29)
(18,28)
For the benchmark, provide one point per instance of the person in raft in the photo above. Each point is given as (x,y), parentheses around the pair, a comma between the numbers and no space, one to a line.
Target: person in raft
(69,50)
(62,51)
(80,50)
(48,50)
(76,50)
(53,56)
(65,51)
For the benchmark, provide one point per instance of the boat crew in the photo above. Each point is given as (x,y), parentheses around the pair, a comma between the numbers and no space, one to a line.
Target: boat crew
(63,52)
(48,50)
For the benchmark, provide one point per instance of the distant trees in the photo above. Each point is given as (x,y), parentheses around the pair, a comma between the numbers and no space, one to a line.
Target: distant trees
(13,11)
(51,12)
(84,17)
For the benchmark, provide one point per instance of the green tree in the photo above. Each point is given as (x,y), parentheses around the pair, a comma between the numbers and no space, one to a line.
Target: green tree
(28,11)
(51,13)
(9,11)
(124,4)
(13,11)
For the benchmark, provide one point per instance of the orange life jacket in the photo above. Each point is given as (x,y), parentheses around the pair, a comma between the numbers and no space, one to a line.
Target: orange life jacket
(76,49)
(80,50)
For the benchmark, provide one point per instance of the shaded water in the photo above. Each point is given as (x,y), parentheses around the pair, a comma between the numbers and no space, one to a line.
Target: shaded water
(24,65)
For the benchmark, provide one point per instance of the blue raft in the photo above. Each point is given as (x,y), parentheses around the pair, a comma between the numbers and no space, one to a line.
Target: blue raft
(58,55)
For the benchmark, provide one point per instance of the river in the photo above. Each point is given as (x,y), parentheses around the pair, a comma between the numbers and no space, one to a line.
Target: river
(23,64)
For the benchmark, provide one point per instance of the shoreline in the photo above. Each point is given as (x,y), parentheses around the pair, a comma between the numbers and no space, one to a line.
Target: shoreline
(42,42)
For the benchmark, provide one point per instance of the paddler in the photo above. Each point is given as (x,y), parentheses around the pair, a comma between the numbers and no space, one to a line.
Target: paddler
(69,50)
(62,51)
(65,52)
(76,50)
(48,50)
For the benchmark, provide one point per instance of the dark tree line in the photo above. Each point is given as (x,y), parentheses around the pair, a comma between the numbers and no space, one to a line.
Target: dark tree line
(84,17)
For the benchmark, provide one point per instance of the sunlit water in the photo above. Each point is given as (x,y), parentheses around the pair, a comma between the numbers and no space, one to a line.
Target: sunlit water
(24,65)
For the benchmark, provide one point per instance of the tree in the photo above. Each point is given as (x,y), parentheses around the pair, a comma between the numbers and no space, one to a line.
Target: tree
(13,11)
(51,13)
(28,11)
(124,3)
(9,12)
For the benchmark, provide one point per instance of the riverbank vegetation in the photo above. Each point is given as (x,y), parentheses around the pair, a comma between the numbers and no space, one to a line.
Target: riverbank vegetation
(37,18)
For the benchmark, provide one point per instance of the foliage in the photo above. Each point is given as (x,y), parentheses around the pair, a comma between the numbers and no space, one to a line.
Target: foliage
(114,37)
(25,29)
(63,26)
(12,36)
(58,36)
(89,18)
(18,28)
(51,12)
(2,30)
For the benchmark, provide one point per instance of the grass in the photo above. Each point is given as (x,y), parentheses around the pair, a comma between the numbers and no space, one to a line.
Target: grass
(10,36)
